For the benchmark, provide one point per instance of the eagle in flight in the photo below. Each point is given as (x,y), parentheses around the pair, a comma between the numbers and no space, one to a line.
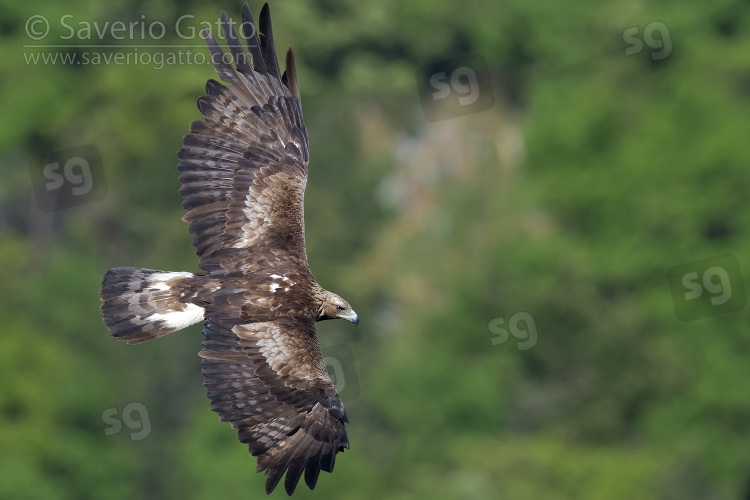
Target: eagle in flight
(243,171)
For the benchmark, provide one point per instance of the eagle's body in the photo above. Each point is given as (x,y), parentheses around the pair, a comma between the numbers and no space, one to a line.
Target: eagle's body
(243,172)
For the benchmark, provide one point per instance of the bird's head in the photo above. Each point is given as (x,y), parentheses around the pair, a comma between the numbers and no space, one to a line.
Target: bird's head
(334,307)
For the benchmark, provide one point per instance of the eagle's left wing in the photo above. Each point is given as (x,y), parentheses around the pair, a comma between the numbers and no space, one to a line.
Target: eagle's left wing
(269,380)
(243,170)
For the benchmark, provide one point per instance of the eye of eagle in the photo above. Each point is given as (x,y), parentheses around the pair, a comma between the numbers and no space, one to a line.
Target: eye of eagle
(340,308)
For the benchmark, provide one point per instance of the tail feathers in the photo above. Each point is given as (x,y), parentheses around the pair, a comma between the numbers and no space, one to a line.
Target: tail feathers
(143,304)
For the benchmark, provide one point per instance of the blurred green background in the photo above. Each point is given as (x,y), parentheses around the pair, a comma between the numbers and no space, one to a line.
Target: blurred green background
(600,166)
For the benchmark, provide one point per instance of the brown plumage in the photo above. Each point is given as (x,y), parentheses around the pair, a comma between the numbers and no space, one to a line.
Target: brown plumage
(243,171)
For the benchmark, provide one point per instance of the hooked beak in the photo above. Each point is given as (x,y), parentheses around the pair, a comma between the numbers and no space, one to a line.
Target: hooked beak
(354,318)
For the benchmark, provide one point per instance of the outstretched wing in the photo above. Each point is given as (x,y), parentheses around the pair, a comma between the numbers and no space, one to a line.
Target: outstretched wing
(243,170)
(269,381)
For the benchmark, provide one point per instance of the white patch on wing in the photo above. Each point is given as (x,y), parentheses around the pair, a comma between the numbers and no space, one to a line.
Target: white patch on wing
(191,315)
(268,193)
(253,228)
(255,210)
(282,351)
(285,283)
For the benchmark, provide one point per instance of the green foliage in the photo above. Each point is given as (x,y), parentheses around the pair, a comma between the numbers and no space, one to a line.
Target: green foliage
(594,174)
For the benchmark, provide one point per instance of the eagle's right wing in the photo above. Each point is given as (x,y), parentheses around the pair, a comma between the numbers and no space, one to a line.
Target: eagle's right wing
(244,169)
(269,380)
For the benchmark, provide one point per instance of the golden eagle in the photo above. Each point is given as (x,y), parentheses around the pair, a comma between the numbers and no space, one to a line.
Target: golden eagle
(243,171)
